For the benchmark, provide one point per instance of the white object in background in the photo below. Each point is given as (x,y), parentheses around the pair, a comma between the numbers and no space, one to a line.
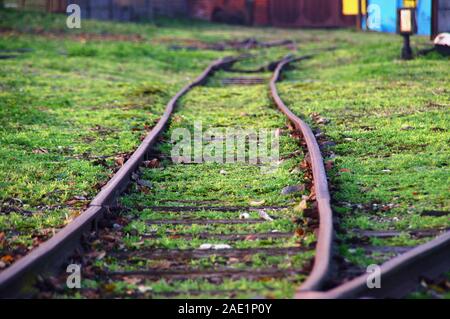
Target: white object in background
(442,39)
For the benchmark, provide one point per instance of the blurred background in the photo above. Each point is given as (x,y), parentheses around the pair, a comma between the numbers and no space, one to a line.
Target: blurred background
(433,16)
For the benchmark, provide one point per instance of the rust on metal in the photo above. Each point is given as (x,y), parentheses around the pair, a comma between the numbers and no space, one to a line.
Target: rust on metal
(217,273)
(17,279)
(159,253)
(203,221)
(399,275)
(207,208)
(230,237)
(322,260)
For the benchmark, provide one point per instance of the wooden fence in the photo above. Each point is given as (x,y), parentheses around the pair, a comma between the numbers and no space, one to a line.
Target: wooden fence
(122,10)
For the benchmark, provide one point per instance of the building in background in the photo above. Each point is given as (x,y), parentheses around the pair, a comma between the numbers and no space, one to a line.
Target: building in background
(280,13)
(433,16)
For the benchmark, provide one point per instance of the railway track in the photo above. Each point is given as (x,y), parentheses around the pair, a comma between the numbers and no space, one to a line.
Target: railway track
(163,228)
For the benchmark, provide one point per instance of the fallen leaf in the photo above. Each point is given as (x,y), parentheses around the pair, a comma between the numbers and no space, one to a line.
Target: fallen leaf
(110,287)
(154,163)
(329,165)
(301,206)
(257,203)
(250,237)
(7,259)
(40,150)
(299,232)
(120,160)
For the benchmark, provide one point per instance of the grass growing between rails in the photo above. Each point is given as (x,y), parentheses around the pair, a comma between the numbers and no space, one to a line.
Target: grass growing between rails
(387,122)
(75,103)
(128,266)
(71,109)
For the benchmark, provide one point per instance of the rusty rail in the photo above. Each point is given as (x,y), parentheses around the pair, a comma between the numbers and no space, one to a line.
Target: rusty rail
(322,260)
(18,279)
(398,276)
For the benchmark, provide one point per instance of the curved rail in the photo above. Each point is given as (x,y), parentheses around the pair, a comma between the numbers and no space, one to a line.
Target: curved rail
(18,279)
(322,260)
(398,276)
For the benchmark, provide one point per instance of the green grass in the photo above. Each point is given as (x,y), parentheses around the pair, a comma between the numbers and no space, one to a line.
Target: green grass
(237,184)
(80,99)
(69,108)
(390,124)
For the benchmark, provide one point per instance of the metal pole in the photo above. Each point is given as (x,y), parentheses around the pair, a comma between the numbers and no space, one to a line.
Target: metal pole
(111,8)
(358,16)
(406,50)
(250,6)
(88,9)
(434,18)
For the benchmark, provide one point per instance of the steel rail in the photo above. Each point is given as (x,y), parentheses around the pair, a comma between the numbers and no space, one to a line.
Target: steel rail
(322,260)
(18,279)
(398,276)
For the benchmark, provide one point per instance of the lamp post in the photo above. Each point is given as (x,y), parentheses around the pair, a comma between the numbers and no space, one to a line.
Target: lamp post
(406,26)
(249,6)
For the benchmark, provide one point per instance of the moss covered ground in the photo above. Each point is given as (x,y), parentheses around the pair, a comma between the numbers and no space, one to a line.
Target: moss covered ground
(75,103)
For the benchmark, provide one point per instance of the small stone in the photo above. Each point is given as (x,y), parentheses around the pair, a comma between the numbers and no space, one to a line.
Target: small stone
(221,246)
(328,144)
(293,189)
(205,246)
(265,216)
(407,128)
(214,246)
(143,289)
(144,183)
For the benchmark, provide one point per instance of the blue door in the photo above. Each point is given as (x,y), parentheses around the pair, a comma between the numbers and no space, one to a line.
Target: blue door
(382,16)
